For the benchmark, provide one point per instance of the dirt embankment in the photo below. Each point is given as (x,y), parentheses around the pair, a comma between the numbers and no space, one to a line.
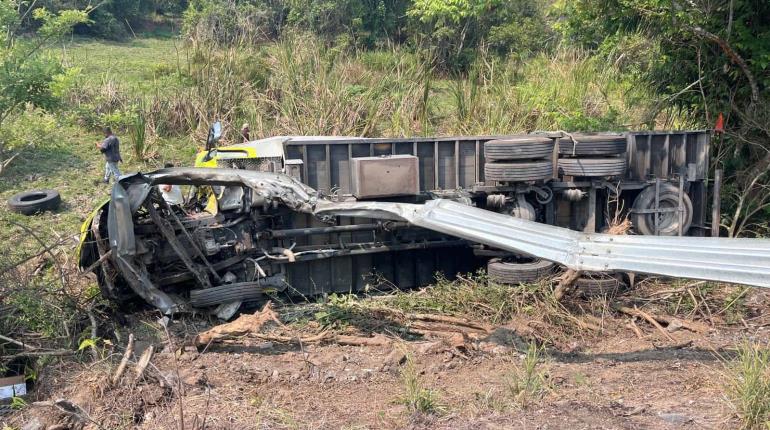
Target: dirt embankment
(441,373)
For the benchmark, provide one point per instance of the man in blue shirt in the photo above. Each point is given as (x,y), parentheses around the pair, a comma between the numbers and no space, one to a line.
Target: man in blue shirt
(110,147)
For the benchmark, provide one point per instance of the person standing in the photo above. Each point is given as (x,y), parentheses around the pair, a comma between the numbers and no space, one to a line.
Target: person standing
(110,147)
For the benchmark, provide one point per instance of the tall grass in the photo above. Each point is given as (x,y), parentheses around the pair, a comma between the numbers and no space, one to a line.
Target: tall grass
(302,85)
(748,386)
(138,131)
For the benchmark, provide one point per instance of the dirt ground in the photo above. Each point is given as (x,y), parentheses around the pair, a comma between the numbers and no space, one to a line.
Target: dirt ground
(607,379)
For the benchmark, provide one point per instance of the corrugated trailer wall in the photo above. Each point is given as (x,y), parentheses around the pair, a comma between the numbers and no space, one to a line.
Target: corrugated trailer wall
(447,163)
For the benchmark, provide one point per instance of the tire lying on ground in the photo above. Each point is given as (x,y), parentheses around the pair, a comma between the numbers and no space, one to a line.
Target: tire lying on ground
(518,270)
(518,171)
(593,145)
(592,167)
(34,201)
(519,148)
(590,285)
(668,222)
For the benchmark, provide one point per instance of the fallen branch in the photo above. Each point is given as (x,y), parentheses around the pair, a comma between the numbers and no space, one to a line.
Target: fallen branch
(635,328)
(16,342)
(436,326)
(143,362)
(636,312)
(292,339)
(453,321)
(124,361)
(101,259)
(376,340)
(737,59)
(36,353)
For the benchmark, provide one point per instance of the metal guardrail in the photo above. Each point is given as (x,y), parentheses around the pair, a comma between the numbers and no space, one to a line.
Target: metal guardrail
(740,261)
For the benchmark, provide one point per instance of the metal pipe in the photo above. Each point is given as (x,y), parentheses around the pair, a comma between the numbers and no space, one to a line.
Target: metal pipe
(297,232)
(376,249)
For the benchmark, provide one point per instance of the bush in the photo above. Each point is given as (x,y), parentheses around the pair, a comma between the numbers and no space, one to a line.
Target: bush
(228,23)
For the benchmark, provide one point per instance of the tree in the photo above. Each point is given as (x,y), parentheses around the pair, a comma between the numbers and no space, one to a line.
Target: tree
(454,29)
(703,58)
(25,75)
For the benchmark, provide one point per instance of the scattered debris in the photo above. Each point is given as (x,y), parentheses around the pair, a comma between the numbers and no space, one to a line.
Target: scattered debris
(143,362)
(124,361)
(243,325)
(636,312)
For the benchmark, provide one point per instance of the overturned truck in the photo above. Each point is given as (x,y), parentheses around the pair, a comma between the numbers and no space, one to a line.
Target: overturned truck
(309,215)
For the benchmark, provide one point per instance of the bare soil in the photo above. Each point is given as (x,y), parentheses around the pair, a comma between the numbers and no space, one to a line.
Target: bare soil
(610,379)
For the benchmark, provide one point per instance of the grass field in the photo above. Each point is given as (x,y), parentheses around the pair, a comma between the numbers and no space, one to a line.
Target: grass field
(72,164)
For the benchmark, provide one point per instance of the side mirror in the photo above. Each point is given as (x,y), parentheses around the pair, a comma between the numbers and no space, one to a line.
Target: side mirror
(215,133)
(210,154)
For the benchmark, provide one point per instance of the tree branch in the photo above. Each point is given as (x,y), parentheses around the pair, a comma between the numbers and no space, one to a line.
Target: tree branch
(737,59)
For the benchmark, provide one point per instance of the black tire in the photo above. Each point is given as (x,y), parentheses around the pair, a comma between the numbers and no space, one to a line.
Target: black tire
(591,285)
(519,148)
(593,145)
(592,167)
(668,222)
(518,171)
(31,202)
(518,270)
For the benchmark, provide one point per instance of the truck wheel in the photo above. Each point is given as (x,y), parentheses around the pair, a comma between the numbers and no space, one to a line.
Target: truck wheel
(518,270)
(591,285)
(668,222)
(593,145)
(31,202)
(519,148)
(518,171)
(592,167)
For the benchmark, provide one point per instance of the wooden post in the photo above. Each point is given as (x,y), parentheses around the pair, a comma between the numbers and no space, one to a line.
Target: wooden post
(716,213)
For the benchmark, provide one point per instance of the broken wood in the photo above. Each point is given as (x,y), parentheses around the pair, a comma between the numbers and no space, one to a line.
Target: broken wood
(143,362)
(124,361)
(693,326)
(98,262)
(453,320)
(635,328)
(243,325)
(443,327)
(376,340)
(636,312)
(565,281)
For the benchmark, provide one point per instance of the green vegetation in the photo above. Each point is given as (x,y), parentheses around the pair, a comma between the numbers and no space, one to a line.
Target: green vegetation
(528,382)
(748,386)
(417,398)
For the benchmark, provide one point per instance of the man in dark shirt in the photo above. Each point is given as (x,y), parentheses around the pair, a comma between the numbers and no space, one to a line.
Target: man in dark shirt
(110,147)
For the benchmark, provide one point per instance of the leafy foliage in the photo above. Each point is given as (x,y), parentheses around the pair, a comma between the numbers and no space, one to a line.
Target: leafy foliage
(454,30)
(26,76)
